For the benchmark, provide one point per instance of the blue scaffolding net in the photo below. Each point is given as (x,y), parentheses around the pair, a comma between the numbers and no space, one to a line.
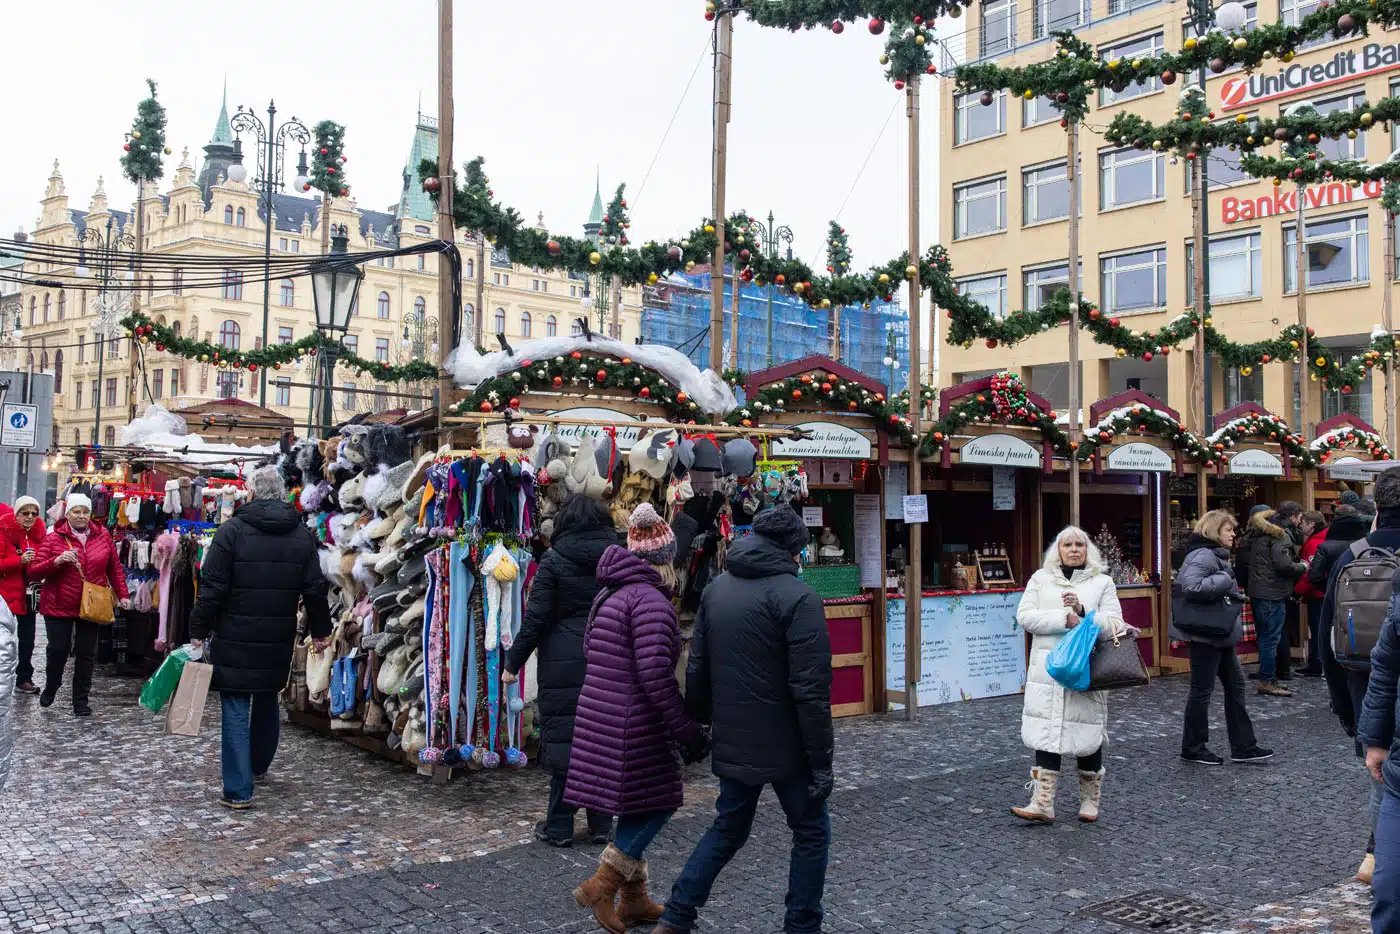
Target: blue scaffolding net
(676,313)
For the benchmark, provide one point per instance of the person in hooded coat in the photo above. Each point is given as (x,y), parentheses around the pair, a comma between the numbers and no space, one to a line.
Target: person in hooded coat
(261,564)
(1206,608)
(1349,524)
(556,616)
(1055,721)
(21,534)
(1274,569)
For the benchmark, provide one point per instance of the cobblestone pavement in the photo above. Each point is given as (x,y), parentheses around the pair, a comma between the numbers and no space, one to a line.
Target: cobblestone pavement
(110,826)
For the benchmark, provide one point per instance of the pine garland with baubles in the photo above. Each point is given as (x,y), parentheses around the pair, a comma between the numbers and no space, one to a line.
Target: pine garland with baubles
(838,250)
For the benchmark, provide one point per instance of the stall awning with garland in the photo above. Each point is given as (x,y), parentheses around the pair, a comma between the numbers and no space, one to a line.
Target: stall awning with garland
(821,382)
(1345,433)
(1116,418)
(1000,399)
(1251,422)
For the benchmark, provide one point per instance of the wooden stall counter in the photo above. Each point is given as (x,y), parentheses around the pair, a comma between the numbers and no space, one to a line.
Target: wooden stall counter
(848,623)
(1141,604)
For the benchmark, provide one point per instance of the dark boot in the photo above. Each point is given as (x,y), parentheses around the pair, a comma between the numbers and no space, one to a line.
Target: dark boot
(664,928)
(635,905)
(599,892)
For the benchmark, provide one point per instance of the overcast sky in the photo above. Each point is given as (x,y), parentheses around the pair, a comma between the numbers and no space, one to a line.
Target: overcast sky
(546,91)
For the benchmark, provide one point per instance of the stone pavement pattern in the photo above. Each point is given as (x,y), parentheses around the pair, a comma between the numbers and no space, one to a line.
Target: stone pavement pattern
(110,826)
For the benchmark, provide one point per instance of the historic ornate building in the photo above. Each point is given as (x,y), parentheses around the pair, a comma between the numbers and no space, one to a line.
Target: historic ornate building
(203,214)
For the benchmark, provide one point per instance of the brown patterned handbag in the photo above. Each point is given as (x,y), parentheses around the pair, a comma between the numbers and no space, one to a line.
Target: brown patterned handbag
(1117,663)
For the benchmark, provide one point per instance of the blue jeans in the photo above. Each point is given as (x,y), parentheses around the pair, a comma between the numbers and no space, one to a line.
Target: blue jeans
(1269,616)
(735,809)
(1385,886)
(635,831)
(251,726)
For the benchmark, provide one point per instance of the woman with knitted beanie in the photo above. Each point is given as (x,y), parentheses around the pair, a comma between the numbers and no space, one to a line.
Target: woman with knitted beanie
(631,719)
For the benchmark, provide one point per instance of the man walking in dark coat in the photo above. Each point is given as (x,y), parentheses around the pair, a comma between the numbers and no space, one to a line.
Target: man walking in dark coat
(1348,525)
(261,564)
(556,616)
(760,672)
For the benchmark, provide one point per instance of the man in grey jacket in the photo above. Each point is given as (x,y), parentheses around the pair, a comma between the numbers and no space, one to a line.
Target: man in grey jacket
(1273,570)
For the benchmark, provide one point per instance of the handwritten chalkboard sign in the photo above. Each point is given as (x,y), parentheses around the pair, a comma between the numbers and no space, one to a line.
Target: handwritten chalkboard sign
(995,572)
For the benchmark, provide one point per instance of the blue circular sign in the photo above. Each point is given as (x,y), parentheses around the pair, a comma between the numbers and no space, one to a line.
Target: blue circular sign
(19,420)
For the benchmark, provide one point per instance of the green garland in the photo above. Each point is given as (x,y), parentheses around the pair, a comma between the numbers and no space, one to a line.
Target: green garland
(735,379)
(141,156)
(908,54)
(838,250)
(1390,199)
(1268,428)
(1324,447)
(795,15)
(577,371)
(1141,419)
(928,395)
(829,389)
(275,356)
(328,160)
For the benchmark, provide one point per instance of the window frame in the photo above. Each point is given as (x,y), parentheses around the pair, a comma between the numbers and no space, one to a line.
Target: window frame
(1000,279)
(1108,186)
(962,107)
(1029,196)
(1254,251)
(988,50)
(1108,292)
(1157,45)
(961,202)
(1360,254)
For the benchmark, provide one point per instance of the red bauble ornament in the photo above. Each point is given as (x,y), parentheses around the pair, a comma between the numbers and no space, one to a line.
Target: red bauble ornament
(797,395)
(312,351)
(576,355)
(645,393)
(826,387)
(877,26)
(780,279)
(932,69)
(486,407)
(1264,359)
(306,187)
(344,192)
(1147,357)
(126,147)
(938,436)
(838,27)
(558,381)
(709,16)
(991,343)
(899,85)
(432,184)
(514,403)
(553,247)
(160,348)
(325,152)
(252,368)
(1095,314)
(682,397)
(1169,77)
(601,375)
(330,170)
(851,405)
(1113,322)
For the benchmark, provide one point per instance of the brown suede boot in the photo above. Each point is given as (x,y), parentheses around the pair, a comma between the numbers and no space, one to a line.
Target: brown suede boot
(635,906)
(600,891)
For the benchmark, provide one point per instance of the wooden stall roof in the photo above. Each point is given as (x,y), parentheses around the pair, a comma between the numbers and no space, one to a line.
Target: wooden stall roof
(1345,420)
(1244,408)
(758,380)
(1126,398)
(236,422)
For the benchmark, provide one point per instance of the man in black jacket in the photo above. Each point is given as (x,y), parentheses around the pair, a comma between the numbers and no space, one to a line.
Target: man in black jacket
(261,564)
(760,672)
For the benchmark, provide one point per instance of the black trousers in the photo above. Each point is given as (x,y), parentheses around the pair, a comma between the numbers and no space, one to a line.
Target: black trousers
(1314,629)
(25,672)
(1207,664)
(78,637)
(1053,760)
(559,823)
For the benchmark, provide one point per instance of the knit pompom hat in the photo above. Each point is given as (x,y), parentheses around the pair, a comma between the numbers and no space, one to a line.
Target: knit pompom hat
(649,537)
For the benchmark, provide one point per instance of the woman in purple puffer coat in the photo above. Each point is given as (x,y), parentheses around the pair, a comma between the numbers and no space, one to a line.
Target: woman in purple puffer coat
(631,718)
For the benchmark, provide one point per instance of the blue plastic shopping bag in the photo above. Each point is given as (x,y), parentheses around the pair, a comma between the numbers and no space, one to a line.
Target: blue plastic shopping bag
(1069,661)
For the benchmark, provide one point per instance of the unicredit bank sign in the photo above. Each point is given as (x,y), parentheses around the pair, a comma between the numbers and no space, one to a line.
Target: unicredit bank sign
(1246,90)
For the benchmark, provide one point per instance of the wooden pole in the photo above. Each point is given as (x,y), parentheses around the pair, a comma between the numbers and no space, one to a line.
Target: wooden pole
(136,297)
(448,315)
(724,50)
(616,308)
(914,585)
(1075,380)
(1198,288)
(1303,379)
(1387,322)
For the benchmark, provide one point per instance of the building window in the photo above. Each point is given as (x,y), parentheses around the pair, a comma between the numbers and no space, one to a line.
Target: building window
(422,261)
(284,392)
(1045,194)
(174,382)
(1292,12)
(157,384)
(499,321)
(114,348)
(544,285)
(289,293)
(242,219)
(987,290)
(575,330)
(496,278)
(381,402)
(1223,168)
(227,385)
(1054,15)
(1040,283)
(228,214)
(62,305)
(82,347)
(1236,267)
(109,435)
(1128,6)
(229,334)
(1129,176)
(535,285)
(284,335)
(58,370)
(1038,110)
(233,285)
(178,287)
(420,309)
(973,121)
(48,307)
(551,326)
(998,33)
(43,360)
(1240,388)
(1342,149)
(573,291)
(381,349)
(471,269)
(96,395)
(1134,282)
(1144,47)
(525,322)
(77,394)
(1338,253)
(282,244)
(469,321)
(111,391)
(1335,402)
(347,397)
(979,207)
(382,307)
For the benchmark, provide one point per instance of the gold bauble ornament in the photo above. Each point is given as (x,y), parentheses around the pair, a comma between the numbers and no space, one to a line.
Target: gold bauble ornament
(884,59)
(167,150)
(1028,94)
(1286,57)
(1351,134)
(1157,144)
(919,40)
(826,303)
(1120,352)
(595,258)
(709,228)
(1246,370)
(1241,43)
(911,271)
(690,265)
(145,339)
(1189,44)
(651,279)
(1241,118)
(1367,119)
(135,134)
(884,278)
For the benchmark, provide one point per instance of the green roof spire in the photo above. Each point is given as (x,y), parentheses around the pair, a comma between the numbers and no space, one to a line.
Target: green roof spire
(414,201)
(595,216)
(223,133)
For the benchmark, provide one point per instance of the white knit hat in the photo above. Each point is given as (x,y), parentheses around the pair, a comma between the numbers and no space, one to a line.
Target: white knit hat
(27,501)
(74,500)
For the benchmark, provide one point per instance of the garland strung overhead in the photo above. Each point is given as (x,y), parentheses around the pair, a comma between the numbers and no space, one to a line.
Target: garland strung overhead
(275,356)
(328,161)
(795,15)
(141,155)
(615,220)
(577,372)
(909,53)
(833,391)
(928,395)
(1142,419)
(838,250)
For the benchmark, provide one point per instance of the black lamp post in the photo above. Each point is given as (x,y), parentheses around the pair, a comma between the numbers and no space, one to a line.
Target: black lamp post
(770,236)
(272,152)
(335,288)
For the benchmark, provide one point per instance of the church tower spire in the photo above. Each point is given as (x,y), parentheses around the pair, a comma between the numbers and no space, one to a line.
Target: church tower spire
(595,216)
(218,154)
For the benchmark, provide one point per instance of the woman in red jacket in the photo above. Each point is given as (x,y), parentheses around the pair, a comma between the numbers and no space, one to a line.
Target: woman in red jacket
(21,533)
(77,549)
(1315,525)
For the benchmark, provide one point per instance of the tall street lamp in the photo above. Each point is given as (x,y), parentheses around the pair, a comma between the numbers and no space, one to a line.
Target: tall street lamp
(335,286)
(272,151)
(891,361)
(105,244)
(770,236)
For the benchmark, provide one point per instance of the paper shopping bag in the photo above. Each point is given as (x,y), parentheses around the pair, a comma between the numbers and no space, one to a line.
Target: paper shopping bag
(186,711)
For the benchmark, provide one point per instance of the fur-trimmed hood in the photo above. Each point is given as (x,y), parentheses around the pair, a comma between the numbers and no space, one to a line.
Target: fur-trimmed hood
(1262,524)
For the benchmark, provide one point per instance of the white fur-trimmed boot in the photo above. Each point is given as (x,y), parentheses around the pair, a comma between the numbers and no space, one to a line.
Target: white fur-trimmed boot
(1042,807)
(1090,790)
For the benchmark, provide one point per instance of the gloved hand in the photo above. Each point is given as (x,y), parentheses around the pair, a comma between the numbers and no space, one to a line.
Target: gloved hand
(697,749)
(819,789)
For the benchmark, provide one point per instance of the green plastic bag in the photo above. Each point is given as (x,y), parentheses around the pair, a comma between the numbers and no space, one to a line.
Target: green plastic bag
(156,693)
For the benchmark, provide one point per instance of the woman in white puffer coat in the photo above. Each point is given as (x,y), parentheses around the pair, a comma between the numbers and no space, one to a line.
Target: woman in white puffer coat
(1056,721)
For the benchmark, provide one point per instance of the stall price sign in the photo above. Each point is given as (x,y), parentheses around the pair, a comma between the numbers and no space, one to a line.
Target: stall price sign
(896,479)
(916,508)
(20,425)
(812,517)
(1003,488)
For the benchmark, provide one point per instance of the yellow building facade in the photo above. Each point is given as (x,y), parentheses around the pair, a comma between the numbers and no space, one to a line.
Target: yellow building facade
(203,214)
(1006,209)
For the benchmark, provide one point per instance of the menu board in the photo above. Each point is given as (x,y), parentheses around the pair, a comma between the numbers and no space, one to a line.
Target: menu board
(972,647)
(869,555)
(896,485)
(1003,488)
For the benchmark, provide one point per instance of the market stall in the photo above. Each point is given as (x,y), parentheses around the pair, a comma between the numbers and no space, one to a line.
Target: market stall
(1342,444)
